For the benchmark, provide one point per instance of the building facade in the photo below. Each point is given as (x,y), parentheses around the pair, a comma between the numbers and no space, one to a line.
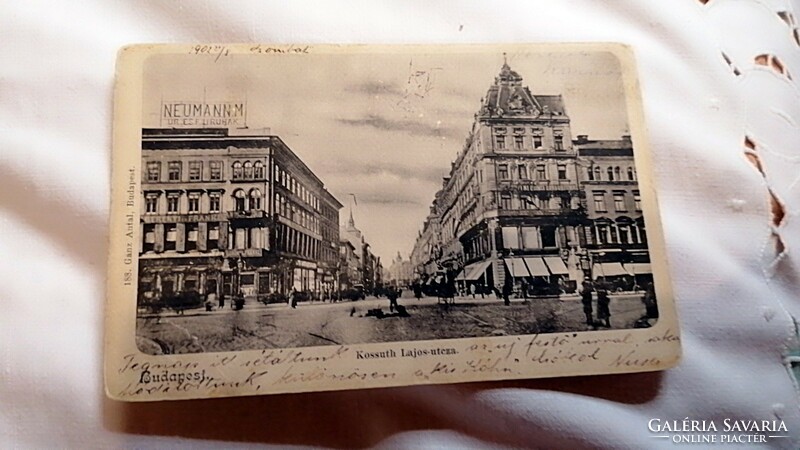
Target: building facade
(510,209)
(525,205)
(615,235)
(399,272)
(371,270)
(230,214)
(350,268)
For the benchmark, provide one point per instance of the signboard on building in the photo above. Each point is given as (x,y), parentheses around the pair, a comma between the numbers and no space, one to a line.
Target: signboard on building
(181,114)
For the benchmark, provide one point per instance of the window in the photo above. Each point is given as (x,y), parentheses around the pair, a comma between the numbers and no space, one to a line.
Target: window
(191,236)
(505,201)
(597,173)
(213,236)
(174,171)
(630,174)
(530,237)
(613,232)
(525,201)
(170,236)
(523,172)
(255,199)
(619,201)
(239,200)
(154,171)
(194,202)
(213,202)
(237,170)
(510,237)
(558,140)
(502,171)
(548,236)
(537,138)
(541,172)
(590,174)
(173,203)
(610,174)
(518,142)
(195,170)
(248,170)
(501,142)
(216,170)
(240,238)
(562,171)
(259,172)
(637,201)
(149,237)
(599,201)
(255,237)
(601,232)
(624,234)
(151,203)
(617,174)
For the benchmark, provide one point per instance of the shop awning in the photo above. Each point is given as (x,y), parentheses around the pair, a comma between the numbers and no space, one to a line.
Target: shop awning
(611,269)
(537,266)
(638,268)
(556,265)
(517,268)
(462,276)
(476,270)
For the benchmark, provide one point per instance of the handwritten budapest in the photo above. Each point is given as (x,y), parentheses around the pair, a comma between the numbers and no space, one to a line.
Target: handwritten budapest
(279,369)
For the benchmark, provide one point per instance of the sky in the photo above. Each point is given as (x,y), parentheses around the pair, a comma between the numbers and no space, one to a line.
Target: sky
(384,126)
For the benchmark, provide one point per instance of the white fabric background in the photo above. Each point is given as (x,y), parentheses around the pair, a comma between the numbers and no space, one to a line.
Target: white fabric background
(735,302)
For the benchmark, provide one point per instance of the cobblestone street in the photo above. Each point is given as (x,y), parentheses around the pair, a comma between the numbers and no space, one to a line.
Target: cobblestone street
(312,324)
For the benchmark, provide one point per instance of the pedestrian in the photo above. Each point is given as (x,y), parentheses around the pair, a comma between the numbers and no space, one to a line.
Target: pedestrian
(391,294)
(649,300)
(603,300)
(211,298)
(472,290)
(293,298)
(586,299)
(506,293)
(524,289)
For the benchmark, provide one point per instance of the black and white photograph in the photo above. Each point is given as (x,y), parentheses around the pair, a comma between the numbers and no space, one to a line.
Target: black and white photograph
(356,198)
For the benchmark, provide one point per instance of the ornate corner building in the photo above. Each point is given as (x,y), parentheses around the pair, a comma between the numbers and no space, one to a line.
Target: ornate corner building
(229,213)
(513,208)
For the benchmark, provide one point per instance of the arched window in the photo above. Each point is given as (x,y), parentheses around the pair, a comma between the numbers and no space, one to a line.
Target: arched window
(610,174)
(597,173)
(237,170)
(259,170)
(248,170)
(617,174)
(630,174)
(590,173)
(255,199)
(239,200)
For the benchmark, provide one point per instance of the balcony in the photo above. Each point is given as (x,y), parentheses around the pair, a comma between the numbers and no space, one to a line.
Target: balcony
(537,185)
(538,212)
(250,214)
(244,253)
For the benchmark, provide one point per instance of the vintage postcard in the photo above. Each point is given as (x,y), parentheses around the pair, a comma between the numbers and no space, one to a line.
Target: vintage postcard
(290,218)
